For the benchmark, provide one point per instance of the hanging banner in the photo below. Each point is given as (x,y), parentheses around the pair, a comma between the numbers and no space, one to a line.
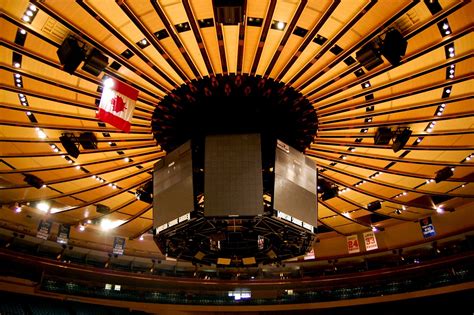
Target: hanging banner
(119,245)
(261,242)
(427,227)
(353,244)
(44,228)
(117,104)
(63,234)
(370,241)
(214,244)
(309,255)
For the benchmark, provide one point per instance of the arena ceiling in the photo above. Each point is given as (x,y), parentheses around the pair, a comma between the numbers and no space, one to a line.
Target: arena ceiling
(311,45)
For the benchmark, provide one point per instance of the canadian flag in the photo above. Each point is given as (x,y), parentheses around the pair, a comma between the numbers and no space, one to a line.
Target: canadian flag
(117,104)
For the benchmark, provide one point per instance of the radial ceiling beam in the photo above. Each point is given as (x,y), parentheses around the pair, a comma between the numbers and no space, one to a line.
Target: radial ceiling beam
(314,152)
(59,154)
(161,14)
(263,36)
(380,169)
(104,197)
(152,39)
(324,18)
(285,38)
(197,35)
(393,186)
(399,109)
(368,76)
(347,52)
(26,52)
(377,196)
(330,43)
(122,60)
(85,164)
(88,175)
(72,128)
(411,76)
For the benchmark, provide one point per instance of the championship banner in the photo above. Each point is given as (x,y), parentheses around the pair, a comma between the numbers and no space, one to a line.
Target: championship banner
(261,242)
(353,244)
(44,228)
(370,241)
(309,255)
(63,234)
(119,245)
(117,104)
(427,227)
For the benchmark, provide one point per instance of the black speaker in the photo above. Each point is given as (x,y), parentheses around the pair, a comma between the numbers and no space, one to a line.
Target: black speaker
(383,135)
(88,140)
(102,208)
(443,174)
(33,181)
(394,46)
(375,205)
(69,142)
(331,193)
(70,54)
(229,12)
(369,56)
(95,62)
(401,139)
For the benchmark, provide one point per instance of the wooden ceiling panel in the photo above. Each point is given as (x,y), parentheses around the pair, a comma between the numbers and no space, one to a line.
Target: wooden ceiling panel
(407,95)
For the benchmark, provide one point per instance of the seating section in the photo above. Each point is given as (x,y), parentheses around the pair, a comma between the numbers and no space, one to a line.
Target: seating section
(17,304)
(11,308)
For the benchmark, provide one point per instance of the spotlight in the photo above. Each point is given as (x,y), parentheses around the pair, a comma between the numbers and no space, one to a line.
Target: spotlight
(443,174)
(102,208)
(144,196)
(70,144)
(95,62)
(369,56)
(375,205)
(402,135)
(34,181)
(88,140)
(329,194)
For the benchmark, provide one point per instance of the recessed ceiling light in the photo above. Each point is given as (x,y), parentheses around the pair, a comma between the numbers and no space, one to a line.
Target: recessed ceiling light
(43,206)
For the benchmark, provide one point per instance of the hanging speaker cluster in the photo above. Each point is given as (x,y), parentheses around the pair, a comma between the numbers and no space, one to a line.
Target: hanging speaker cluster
(71,143)
(400,137)
(72,52)
(392,45)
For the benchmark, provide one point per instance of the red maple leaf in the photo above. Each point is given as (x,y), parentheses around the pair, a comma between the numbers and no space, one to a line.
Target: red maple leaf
(118,105)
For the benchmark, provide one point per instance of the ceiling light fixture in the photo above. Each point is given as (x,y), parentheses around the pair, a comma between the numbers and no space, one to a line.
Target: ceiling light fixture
(43,206)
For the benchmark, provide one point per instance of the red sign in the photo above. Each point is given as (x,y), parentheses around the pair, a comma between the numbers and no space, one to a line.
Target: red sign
(353,244)
(370,241)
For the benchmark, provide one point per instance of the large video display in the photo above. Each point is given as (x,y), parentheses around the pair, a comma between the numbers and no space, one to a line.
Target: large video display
(173,185)
(295,190)
(233,175)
